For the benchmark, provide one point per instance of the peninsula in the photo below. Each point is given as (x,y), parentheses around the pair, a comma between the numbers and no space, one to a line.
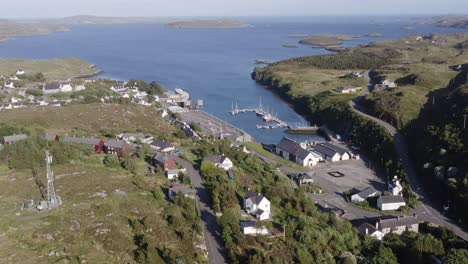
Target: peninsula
(10,29)
(451,21)
(221,23)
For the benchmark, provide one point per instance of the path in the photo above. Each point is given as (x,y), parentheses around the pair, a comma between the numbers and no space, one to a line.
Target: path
(212,229)
(427,210)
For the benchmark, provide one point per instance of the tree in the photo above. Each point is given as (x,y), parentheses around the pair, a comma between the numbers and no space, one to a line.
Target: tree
(111,161)
(456,256)
(35,92)
(384,256)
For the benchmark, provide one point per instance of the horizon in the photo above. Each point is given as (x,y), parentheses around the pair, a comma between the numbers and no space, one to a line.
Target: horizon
(240,8)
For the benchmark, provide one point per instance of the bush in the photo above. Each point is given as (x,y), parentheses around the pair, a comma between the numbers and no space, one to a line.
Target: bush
(111,161)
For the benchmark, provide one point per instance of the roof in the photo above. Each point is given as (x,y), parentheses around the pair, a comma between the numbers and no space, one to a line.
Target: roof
(292,147)
(231,175)
(304,176)
(246,224)
(161,144)
(398,221)
(115,144)
(52,86)
(370,228)
(82,140)
(255,197)
(14,138)
(336,148)
(320,148)
(367,192)
(215,159)
(392,199)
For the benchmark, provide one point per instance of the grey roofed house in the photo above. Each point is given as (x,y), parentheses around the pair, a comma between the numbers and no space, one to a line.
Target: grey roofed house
(161,144)
(217,159)
(398,221)
(392,199)
(255,197)
(52,86)
(366,228)
(336,148)
(291,147)
(14,138)
(114,144)
(82,140)
(367,192)
(323,150)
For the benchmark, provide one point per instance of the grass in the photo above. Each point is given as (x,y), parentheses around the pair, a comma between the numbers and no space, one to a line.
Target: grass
(102,235)
(90,119)
(53,69)
(258,148)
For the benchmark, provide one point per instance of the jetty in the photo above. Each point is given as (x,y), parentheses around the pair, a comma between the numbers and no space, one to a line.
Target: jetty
(302,129)
(264,114)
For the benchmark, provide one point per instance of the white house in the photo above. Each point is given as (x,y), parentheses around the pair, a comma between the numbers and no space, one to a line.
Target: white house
(220,161)
(257,205)
(10,85)
(389,84)
(134,138)
(14,78)
(20,72)
(303,178)
(66,87)
(293,151)
(361,196)
(347,89)
(392,225)
(392,202)
(162,146)
(331,152)
(173,174)
(251,228)
(79,87)
(395,187)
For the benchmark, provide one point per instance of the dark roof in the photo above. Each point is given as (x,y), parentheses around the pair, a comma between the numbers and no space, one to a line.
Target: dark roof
(336,148)
(14,138)
(115,144)
(248,224)
(292,147)
(161,144)
(366,192)
(370,228)
(304,176)
(82,140)
(398,221)
(321,149)
(52,86)
(255,197)
(392,199)
(215,159)
(231,175)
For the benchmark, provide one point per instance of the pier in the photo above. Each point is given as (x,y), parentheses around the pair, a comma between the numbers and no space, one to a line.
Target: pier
(302,129)
(265,115)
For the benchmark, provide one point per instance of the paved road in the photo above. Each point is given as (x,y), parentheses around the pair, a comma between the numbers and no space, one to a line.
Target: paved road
(427,209)
(212,229)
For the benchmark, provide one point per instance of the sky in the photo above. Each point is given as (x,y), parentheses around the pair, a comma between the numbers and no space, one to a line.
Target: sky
(62,8)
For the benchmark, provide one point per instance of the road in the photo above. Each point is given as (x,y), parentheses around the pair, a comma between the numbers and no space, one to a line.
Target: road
(212,229)
(427,209)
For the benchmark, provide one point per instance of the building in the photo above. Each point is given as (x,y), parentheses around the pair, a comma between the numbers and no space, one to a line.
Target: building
(66,87)
(134,138)
(173,174)
(291,150)
(347,89)
(392,202)
(98,144)
(389,225)
(114,147)
(395,187)
(303,178)
(331,152)
(389,84)
(20,72)
(329,208)
(257,205)
(220,161)
(9,84)
(364,194)
(251,228)
(14,138)
(165,162)
(162,146)
(182,189)
(51,88)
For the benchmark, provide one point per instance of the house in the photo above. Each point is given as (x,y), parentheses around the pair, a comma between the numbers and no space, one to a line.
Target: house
(174,173)
(9,84)
(49,137)
(119,86)
(251,228)
(257,205)
(392,202)
(98,144)
(329,208)
(347,89)
(134,138)
(332,152)
(115,147)
(364,194)
(66,87)
(220,161)
(389,225)
(79,87)
(182,189)
(162,146)
(291,150)
(303,178)
(14,138)
(51,88)
(395,187)
(389,84)
(20,72)
(14,78)
(165,162)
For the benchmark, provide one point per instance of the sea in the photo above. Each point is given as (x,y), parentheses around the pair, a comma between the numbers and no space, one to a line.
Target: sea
(214,65)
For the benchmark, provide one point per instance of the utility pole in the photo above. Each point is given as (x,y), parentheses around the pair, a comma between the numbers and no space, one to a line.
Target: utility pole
(464,121)
(284,232)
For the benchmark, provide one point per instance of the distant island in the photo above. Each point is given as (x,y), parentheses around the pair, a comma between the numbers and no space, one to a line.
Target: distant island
(220,23)
(10,29)
(451,21)
(85,19)
(326,41)
(374,35)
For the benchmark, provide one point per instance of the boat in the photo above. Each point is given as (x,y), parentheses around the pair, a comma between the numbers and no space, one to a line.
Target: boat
(268,118)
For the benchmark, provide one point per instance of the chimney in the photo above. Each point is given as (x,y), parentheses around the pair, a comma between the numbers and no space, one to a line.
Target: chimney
(377,225)
(367,231)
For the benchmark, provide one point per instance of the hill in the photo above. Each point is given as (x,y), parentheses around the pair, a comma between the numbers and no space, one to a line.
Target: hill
(86,19)
(221,23)
(10,29)
(451,21)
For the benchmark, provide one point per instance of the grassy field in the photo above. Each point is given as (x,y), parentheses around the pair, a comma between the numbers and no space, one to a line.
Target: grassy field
(53,69)
(93,223)
(90,119)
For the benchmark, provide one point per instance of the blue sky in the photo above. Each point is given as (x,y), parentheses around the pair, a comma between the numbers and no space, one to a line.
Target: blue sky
(60,8)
